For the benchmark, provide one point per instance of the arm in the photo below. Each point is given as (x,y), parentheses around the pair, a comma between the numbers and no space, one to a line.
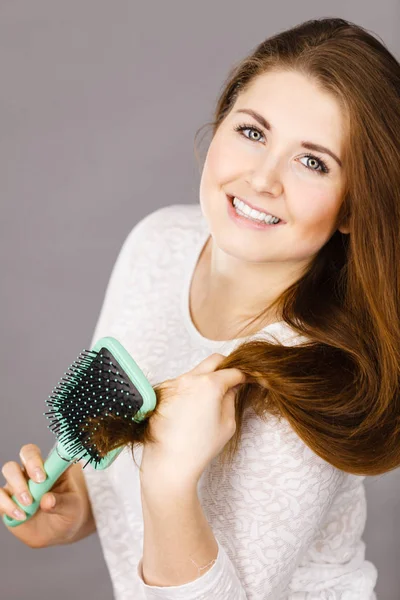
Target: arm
(270,516)
(175,528)
(88,525)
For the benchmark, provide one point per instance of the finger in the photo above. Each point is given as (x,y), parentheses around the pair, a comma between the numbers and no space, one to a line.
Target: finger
(209,364)
(9,508)
(228,407)
(62,504)
(17,482)
(50,502)
(31,458)
(229,378)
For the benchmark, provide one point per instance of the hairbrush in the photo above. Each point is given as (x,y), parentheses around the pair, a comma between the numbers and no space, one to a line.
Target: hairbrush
(102,383)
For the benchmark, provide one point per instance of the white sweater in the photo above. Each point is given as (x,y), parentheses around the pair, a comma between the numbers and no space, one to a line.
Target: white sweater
(287,523)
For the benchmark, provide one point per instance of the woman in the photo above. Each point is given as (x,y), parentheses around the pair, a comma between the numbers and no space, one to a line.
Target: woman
(295,246)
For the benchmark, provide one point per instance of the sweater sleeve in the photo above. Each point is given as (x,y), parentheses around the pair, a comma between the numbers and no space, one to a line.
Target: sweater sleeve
(267,514)
(220,582)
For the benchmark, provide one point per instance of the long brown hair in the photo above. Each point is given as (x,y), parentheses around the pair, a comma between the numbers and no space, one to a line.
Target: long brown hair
(340,389)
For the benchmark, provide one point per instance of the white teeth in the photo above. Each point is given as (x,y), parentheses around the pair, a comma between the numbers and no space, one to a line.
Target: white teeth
(254,214)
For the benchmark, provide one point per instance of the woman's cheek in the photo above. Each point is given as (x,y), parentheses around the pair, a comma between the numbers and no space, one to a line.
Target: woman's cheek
(317,223)
(312,178)
(224,163)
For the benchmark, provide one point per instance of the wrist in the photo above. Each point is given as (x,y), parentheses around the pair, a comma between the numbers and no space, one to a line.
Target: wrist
(161,477)
(85,524)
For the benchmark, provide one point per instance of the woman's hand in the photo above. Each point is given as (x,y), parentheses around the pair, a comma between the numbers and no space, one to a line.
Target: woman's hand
(194,420)
(68,520)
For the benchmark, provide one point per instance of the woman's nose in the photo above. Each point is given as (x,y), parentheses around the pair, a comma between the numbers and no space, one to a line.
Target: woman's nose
(266,174)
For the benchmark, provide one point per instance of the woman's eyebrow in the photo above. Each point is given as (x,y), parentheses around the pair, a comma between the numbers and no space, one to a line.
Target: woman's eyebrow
(307,145)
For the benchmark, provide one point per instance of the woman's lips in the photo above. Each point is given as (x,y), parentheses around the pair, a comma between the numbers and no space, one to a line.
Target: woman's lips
(252,206)
(247,223)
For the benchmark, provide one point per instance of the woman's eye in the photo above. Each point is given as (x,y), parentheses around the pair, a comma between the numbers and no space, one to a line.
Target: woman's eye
(315,164)
(245,127)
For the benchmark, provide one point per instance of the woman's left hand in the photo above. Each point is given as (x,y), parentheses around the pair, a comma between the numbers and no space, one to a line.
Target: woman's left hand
(194,420)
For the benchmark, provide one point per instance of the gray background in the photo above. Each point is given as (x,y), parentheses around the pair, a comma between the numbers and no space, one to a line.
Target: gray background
(99,105)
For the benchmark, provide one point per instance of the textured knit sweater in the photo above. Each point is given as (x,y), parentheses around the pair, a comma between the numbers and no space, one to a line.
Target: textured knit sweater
(288,524)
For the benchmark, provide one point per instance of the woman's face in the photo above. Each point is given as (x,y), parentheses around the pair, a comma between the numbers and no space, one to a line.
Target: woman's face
(269,168)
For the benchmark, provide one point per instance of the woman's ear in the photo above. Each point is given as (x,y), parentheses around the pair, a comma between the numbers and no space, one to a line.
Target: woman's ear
(343,223)
(344,229)
(343,218)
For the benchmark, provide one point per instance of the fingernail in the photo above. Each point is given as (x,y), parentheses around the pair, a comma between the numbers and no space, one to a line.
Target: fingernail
(52,501)
(19,515)
(40,475)
(26,498)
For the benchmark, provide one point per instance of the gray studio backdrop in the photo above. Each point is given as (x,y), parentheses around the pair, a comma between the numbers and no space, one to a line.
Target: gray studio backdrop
(99,105)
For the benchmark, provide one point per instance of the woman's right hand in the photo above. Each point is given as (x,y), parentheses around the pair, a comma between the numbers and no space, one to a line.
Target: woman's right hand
(49,526)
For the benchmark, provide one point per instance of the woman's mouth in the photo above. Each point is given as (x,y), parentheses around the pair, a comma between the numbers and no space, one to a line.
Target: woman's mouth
(245,220)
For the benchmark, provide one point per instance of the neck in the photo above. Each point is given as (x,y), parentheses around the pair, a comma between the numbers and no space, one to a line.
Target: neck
(238,291)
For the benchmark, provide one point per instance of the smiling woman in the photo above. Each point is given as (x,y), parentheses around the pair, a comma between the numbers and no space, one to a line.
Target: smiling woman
(270,172)
(329,271)
(307,129)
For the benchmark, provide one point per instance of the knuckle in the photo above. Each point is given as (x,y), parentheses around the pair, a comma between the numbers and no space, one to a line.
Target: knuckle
(212,383)
(7,506)
(210,393)
(208,379)
(9,467)
(183,378)
(4,499)
(22,488)
(28,451)
(183,384)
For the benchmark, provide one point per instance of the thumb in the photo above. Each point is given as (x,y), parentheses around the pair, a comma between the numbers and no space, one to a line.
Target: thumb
(228,403)
(208,364)
(55,503)
(230,378)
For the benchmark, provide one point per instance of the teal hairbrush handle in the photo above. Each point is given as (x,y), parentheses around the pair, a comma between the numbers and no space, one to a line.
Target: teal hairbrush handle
(71,420)
(54,467)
